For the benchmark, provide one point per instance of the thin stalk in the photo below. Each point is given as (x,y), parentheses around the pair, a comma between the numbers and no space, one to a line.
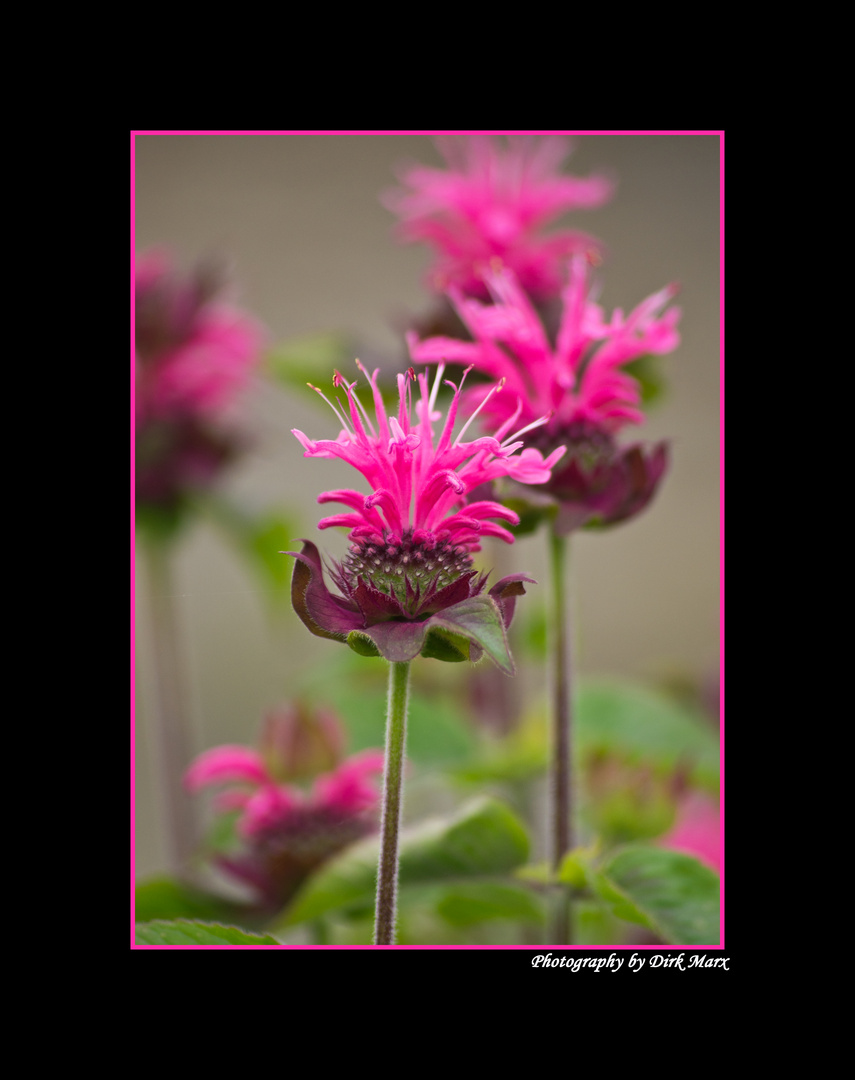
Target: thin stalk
(561,769)
(396,737)
(170,721)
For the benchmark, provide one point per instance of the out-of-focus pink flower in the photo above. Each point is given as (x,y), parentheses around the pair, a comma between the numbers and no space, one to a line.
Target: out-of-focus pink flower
(697,829)
(490,204)
(193,356)
(579,382)
(287,831)
(409,567)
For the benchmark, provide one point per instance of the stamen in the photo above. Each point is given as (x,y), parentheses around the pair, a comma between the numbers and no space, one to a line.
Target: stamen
(529,427)
(344,423)
(436,383)
(379,407)
(494,390)
(354,397)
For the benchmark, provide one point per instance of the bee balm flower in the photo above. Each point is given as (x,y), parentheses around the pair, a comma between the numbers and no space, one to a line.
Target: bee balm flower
(490,204)
(286,831)
(579,381)
(193,357)
(407,584)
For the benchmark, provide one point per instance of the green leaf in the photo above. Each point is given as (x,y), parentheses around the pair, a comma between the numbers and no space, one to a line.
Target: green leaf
(478,620)
(312,358)
(166,898)
(438,733)
(641,724)
(268,536)
(531,513)
(572,870)
(464,904)
(519,756)
(674,895)
(647,370)
(259,538)
(484,839)
(194,932)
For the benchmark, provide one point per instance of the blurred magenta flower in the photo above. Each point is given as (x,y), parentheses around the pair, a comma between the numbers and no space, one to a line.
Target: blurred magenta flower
(407,583)
(286,831)
(579,383)
(490,204)
(697,829)
(193,357)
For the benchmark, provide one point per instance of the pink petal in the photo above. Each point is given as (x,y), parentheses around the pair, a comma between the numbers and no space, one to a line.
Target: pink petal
(226,764)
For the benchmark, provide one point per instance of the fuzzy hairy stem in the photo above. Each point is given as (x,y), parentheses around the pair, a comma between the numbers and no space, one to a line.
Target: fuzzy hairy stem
(560,921)
(172,736)
(396,737)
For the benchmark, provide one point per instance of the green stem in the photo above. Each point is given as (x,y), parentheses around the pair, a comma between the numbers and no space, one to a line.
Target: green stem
(171,735)
(562,840)
(396,737)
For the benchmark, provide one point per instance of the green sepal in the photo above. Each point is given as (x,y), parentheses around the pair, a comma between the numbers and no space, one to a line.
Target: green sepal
(464,631)
(479,621)
(440,645)
(362,644)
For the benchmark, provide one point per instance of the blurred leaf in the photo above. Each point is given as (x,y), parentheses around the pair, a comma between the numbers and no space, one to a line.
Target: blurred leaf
(187,932)
(475,902)
(166,898)
(647,370)
(628,802)
(595,924)
(573,869)
(222,835)
(641,724)
(484,838)
(532,631)
(674,895)
(520,755)
(266,539)
(532,513)
(437,727)
(159,525)
(538,873)
(261,539)
(312,358)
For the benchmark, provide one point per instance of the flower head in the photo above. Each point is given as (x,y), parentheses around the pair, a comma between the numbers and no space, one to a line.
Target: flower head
(408,580)
(580,381)
(696,829)
(285,831)
(192,358)
(490,204)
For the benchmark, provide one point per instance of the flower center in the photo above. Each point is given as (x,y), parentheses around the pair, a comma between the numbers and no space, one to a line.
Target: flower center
(588,444)
(426,560)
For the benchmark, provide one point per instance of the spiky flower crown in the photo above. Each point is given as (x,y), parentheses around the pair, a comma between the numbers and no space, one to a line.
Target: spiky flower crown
(407,583)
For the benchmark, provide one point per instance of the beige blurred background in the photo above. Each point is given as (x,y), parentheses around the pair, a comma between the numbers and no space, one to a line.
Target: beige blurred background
(312,250)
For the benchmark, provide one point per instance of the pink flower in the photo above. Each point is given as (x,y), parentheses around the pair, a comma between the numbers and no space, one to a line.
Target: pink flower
(193,356)
(286,831)
(192,359)
(579,382)
(407,582)
(697,829)
(490,204)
